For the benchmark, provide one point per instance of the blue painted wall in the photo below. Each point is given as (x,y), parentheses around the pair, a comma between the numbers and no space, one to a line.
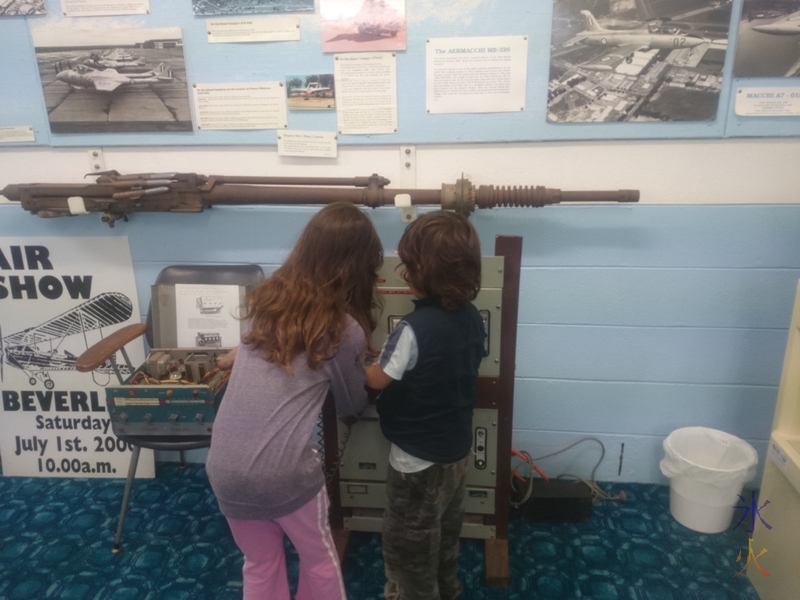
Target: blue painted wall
(23,102)
(634,320)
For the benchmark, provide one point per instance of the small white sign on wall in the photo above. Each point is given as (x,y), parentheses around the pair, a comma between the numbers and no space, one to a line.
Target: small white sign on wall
(366,92)
(476,75)
(768,102)
(265,29)
(256,105)
(98,8)
(17,134)
(319,144)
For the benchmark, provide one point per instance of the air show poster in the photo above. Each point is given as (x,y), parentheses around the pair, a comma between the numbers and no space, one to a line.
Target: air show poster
(112,80)
(59,296)
(637,60)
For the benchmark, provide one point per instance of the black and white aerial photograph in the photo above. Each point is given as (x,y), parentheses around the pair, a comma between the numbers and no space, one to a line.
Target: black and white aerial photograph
(637,60)
(12,8)
(205,8)
(114,80)
(769,39)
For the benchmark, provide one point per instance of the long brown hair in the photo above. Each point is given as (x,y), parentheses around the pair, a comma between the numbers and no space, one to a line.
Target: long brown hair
(441,254)
(330,273)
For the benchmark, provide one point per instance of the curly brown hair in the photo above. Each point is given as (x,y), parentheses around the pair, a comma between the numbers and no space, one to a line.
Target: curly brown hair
(330,273)
(441,257)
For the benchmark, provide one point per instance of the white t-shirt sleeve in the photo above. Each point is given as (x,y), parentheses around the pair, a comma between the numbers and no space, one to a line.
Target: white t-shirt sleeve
(400,352)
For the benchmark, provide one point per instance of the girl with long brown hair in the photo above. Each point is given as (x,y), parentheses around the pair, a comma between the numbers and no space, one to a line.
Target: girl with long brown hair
(308,330)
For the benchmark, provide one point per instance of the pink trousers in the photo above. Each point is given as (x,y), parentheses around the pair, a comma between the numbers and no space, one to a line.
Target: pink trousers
(264,571)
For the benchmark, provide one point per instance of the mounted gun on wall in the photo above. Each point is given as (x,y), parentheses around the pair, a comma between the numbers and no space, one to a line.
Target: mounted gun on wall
(116,196)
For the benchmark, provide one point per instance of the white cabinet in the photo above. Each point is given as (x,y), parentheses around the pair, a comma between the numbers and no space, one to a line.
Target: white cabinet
(781,486)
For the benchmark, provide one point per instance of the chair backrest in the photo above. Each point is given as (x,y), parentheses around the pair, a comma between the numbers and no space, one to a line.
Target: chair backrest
(248,275)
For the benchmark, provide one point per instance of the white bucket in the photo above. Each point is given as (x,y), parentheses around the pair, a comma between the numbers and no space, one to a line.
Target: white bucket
(696,512)
(707,470)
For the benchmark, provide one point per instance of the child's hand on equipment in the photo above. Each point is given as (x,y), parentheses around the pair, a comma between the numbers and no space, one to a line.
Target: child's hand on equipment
(376,378)
(226,362)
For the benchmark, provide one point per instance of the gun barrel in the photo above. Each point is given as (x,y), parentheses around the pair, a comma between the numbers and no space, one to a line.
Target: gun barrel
(609,196)
(489,196)
(299,181)
(371,197)
(116,195)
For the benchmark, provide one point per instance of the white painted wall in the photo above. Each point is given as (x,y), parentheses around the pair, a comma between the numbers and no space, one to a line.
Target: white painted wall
(735,171)
(634,320)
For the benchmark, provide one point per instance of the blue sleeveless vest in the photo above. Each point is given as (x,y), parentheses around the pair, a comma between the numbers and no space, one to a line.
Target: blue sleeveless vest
(428,413)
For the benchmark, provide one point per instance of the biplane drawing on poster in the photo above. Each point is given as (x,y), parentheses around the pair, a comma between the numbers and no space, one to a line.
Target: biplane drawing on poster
(51,346)
(59,297)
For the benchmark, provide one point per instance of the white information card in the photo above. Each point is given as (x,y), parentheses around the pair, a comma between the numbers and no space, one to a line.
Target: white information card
(265,29)
(768,102)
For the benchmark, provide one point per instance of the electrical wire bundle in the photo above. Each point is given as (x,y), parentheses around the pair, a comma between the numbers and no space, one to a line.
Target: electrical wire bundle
(524,494)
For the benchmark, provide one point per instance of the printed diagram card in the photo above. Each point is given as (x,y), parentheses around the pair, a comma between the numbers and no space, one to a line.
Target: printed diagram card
(206,315)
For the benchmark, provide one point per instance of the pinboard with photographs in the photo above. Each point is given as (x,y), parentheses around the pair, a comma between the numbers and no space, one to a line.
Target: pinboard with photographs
(240,72)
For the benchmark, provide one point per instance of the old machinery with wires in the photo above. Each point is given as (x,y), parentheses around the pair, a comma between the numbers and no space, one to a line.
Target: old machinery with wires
(357,454)
(363,465)
(177,390)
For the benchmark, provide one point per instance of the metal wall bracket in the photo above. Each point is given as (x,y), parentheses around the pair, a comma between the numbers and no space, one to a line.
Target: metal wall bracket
(408,167)
(407,212)
(97,161)
(408,181)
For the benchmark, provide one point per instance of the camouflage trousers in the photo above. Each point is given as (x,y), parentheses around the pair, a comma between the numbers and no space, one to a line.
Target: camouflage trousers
(421,527)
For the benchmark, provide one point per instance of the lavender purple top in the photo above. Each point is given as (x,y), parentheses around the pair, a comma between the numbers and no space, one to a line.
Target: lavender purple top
(263,462)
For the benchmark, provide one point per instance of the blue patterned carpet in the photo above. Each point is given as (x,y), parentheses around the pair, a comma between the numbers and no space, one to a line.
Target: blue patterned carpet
(56,536)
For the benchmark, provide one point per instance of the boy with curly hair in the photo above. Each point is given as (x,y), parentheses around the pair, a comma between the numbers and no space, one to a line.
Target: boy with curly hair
(427,371)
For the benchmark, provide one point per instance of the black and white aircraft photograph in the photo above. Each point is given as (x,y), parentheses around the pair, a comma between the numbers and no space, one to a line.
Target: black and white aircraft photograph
(637,60)
(206,8)
(768,44)
(12,8)
(114,80)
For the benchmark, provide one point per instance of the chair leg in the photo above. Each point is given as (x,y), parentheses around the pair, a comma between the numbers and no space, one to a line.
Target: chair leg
(125,497)
(182,464)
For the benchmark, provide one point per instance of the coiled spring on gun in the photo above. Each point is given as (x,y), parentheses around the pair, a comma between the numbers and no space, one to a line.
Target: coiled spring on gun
(489,196)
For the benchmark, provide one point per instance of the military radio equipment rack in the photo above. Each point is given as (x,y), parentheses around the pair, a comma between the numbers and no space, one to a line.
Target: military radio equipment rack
(356,456)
